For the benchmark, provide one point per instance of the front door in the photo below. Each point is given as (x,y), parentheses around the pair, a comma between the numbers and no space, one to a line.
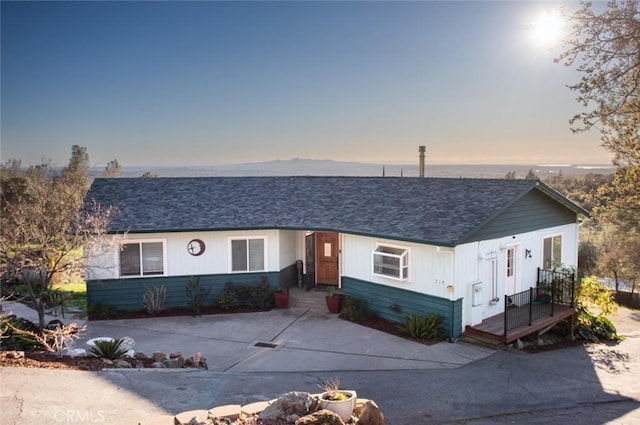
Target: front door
(327,258)
(512,284)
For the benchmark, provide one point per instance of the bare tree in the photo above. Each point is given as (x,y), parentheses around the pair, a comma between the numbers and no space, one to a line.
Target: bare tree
(44,225)
(112,169)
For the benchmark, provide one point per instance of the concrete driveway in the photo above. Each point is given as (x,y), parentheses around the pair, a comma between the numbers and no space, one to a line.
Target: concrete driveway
(593,385)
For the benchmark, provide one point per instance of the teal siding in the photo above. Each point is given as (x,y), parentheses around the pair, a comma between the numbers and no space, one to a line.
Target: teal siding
(532,212)
(392,303)
(126,294)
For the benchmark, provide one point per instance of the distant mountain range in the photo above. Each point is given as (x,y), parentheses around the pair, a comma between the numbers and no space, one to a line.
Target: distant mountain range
(326,167)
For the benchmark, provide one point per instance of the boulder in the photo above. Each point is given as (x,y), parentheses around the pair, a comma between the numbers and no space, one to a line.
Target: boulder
(158,365)
(158,356)
(370,414)
(321,417)
(174,363)
(122,364)
(290,407)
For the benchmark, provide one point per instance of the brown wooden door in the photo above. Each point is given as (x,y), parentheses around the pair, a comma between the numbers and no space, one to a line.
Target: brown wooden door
(327,258)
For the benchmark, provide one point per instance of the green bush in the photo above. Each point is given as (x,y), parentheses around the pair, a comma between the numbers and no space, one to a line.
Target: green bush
(101,310)
(354,310)
(422,327)
(111,350)
(197,295)
(256,296)
(227,299)
(594,305)
(13,339)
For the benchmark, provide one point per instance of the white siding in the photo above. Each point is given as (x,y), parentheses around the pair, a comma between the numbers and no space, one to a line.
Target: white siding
(474,264)
(287,249)
(430,268)
(215,259)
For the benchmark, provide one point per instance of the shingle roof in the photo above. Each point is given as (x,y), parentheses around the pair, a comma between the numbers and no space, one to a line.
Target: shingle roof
(440,211)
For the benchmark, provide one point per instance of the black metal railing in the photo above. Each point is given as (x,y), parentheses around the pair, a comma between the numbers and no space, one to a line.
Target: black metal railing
(524,308)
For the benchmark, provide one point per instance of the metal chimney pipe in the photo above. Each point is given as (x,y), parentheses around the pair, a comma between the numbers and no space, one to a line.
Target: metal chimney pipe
(421,149)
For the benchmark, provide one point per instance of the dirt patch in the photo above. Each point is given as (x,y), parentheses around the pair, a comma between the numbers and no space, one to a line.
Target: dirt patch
(169,312)
(46,360)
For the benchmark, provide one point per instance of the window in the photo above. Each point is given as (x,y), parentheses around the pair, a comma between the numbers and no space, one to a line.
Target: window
(391,261)
(142,259)
(248,255)
(552,252)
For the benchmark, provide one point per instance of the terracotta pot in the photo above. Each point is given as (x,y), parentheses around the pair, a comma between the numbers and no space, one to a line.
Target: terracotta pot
(344,408)
(281,299)
(334,303)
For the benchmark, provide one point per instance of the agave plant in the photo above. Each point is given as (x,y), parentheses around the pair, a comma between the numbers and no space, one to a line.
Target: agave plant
(106,349)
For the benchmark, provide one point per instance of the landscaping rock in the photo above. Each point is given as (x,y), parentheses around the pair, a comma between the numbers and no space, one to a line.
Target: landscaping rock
(291,406)
(174,363)
(158,356)
(370,414)
(321,417)
(122,364)
(175,355)
(139,355)
(158,365)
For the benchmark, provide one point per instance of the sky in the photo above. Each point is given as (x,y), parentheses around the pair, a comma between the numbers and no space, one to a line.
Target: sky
(207,83)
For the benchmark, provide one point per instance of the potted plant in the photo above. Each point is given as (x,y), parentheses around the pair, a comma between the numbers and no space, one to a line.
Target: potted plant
(281,297)
(333,300)
(342,402)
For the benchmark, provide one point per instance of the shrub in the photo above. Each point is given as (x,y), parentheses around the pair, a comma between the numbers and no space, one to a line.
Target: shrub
(422,327)
(98,309)
(154,299)
(18,334)
(257,296)
(594,305)
(111,350)
(197,294)
(355,310)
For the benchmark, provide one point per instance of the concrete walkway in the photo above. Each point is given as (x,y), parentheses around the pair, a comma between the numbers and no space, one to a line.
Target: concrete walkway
(301,338)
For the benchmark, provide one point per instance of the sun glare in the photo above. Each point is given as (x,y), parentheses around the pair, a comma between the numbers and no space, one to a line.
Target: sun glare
(548,29)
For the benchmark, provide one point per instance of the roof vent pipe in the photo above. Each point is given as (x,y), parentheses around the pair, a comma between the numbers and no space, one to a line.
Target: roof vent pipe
(421,149)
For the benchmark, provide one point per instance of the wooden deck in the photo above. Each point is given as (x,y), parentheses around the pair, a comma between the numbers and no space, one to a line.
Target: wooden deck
(492,328)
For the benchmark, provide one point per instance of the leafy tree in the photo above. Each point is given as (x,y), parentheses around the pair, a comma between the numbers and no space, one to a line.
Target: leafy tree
(112,169)
(43,225)
(149,174)
(511,175)
(604,50)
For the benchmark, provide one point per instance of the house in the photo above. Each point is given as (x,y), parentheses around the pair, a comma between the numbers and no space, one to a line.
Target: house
(456,247)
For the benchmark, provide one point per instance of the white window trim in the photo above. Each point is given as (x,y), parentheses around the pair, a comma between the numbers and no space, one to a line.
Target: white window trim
(550,236)
(407,254)
(248,237)
(142,241)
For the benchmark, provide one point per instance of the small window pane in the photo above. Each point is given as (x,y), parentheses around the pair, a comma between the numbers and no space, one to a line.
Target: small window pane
(239,255)
(256,255)
(557,251)
(130,260)
(152,262)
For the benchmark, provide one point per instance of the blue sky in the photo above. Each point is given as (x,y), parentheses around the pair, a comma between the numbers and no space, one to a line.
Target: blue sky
(199,83)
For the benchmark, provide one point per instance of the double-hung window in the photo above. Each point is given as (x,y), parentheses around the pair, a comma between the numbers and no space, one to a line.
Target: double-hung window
(391,261)
(552,252)
(142,259)
(248,254)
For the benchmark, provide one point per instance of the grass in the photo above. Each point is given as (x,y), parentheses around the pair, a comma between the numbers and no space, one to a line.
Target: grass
(74,292)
